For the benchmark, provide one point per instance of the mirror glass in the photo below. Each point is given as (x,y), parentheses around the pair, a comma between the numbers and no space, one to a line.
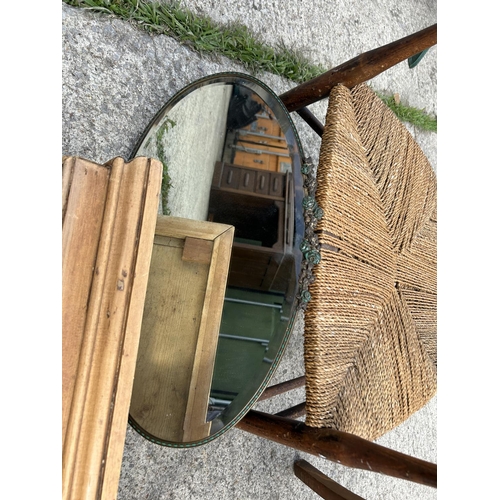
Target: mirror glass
(231,155)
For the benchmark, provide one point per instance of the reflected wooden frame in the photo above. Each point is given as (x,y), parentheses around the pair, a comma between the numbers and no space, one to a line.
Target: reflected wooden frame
(183,310)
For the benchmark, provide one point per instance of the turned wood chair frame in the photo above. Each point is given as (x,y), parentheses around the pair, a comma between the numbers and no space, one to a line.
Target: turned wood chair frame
(337,446)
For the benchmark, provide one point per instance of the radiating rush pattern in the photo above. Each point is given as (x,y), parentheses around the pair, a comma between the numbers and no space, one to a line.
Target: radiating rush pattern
(370,328)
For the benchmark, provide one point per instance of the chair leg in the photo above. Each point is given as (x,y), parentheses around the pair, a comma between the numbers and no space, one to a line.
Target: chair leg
(324,486)
(360,69)
(293,412)
(341,447)
(308,116)
(274,390)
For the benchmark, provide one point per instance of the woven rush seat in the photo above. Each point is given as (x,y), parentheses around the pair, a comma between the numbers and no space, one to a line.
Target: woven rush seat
(370,327)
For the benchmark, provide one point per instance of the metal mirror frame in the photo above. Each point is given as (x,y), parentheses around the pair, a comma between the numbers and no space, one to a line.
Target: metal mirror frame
(297,158)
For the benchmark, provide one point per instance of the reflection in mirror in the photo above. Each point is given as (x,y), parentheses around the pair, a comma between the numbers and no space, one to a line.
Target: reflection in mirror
(189,140)
(231,156)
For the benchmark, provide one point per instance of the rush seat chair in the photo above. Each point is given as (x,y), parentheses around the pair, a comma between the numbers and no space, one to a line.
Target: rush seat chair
(370,326)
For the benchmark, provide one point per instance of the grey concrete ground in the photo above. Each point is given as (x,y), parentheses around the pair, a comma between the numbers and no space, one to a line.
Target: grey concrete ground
(115,77)
(191,149)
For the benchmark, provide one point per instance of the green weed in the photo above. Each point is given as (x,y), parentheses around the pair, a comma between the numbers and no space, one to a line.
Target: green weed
(408,114)
(160,151)
(233,41)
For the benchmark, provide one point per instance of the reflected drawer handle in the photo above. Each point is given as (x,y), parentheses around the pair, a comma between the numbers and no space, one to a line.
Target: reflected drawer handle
(229,177)
(275,184)
(262,182)
(246,179)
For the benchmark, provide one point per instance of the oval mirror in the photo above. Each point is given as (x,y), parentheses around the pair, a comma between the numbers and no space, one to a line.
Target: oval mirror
(231,155)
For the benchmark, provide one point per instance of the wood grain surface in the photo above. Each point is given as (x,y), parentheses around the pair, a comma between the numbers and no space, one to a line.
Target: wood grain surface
(180,330)
(109,216)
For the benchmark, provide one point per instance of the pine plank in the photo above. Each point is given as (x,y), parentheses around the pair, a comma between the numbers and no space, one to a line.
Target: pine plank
(84,193)
(108,261)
